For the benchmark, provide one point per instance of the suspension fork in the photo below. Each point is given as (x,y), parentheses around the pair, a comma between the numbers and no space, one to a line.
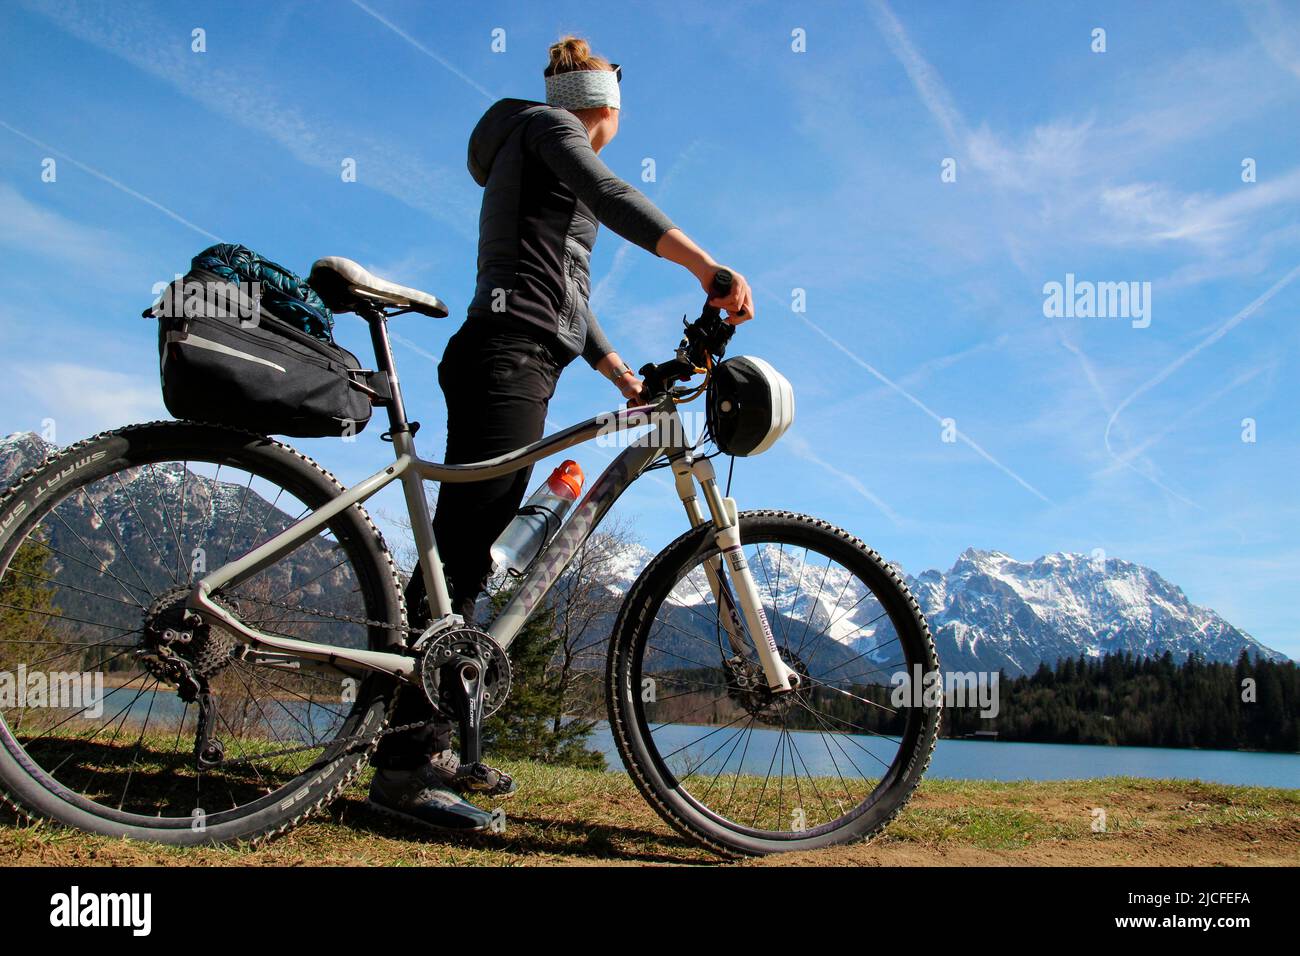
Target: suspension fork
(744,602)
(729,613)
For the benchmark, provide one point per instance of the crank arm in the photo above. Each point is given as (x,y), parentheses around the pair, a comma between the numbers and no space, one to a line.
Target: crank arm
(466,691)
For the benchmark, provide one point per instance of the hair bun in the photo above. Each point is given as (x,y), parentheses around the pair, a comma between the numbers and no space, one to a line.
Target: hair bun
(574,53)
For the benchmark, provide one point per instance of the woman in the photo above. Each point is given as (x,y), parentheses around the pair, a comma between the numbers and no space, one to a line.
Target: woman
(545,191)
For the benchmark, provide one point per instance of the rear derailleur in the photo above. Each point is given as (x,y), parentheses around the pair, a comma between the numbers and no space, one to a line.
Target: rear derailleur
(179,649)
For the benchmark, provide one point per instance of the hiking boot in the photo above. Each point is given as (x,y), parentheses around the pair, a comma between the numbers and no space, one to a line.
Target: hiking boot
(474,778)
(421,796)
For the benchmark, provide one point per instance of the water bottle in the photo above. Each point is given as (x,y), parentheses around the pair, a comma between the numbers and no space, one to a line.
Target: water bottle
(538,519)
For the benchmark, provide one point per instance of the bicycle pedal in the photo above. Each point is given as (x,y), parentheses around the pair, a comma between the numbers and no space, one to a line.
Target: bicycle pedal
(482,778)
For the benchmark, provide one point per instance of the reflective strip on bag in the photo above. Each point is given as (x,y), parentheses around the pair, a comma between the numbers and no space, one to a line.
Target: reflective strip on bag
(202,343)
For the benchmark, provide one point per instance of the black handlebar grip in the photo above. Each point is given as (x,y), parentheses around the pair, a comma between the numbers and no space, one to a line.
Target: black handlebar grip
(721,288)
(721,284)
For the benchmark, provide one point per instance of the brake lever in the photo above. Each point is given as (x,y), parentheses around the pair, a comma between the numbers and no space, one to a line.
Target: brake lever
(658,379)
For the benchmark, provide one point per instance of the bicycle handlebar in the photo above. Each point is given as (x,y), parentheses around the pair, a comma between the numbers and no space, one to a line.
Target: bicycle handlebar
(704,341)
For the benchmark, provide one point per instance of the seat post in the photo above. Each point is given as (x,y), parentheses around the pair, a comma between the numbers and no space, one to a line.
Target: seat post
(429,562)
(378,323)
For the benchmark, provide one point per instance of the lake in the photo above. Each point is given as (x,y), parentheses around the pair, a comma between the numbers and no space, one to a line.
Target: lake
(1002,760)
(953,759)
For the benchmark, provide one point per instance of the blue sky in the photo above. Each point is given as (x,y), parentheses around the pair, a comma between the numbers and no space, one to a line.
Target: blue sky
(817,170)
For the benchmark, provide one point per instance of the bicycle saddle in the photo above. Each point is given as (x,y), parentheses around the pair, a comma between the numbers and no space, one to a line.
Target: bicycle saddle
(341,283)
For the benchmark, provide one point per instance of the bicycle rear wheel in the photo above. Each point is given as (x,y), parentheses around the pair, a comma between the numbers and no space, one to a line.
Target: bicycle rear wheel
(739,769)
(98,548)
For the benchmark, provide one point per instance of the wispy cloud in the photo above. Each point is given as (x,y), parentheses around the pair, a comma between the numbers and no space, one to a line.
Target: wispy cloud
(1151,212)
(1278,35)
(244,100)
(1074,172)
(82,400)
(33,228)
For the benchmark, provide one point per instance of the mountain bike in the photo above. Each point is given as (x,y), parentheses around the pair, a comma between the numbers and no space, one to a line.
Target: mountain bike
(247,626)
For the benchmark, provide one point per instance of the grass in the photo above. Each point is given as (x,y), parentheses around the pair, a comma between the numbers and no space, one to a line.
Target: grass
(565,816)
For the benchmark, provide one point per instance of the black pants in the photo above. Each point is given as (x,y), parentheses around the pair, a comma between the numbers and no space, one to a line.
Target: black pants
(497,385)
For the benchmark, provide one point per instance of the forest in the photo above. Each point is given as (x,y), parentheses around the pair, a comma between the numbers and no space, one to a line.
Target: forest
(1253,704)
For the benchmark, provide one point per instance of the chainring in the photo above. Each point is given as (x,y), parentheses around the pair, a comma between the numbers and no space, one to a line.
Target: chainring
(441,651)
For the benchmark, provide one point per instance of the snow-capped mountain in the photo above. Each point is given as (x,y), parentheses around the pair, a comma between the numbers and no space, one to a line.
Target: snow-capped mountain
(141,532)
(988,612)
(992,611)
(19,452)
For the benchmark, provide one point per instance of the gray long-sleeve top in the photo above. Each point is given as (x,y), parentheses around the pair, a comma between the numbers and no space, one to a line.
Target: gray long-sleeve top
(545,191)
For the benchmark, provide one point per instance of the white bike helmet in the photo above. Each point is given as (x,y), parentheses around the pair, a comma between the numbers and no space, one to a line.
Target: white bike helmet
(750,405)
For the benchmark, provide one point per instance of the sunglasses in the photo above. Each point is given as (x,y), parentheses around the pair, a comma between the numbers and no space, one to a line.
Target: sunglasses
(614,67)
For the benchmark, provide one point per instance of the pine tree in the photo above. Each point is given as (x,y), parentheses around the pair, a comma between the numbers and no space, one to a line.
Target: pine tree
(525,727)
(1151,702)
(27,606)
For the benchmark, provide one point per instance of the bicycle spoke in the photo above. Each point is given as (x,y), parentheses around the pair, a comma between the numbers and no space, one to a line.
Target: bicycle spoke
(766,761)
(101,591)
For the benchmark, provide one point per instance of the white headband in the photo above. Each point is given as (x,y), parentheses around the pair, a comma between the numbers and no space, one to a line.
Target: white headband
(582,89)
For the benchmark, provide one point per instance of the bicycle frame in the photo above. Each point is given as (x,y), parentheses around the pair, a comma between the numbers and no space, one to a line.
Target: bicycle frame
(665,438)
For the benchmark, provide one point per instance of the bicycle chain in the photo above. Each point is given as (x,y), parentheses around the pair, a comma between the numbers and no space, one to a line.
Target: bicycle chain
(235,761)
(367,622)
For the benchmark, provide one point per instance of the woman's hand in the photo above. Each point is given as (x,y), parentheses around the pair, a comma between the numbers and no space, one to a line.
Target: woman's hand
(633,389)
(739,304)
(617,371)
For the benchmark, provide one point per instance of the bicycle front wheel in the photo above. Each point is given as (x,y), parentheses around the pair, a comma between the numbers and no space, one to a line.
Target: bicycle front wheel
(745,771)
(99,547)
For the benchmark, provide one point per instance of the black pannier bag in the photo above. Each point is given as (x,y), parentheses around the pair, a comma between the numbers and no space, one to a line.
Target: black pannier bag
(225,359)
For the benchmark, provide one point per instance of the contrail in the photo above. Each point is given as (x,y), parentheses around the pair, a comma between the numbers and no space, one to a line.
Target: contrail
(418,350)
(1205,343)
(800,447)
(1091,375)
(929,86)
(112,182)
(1208,402)
(969,442)
(421,47)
